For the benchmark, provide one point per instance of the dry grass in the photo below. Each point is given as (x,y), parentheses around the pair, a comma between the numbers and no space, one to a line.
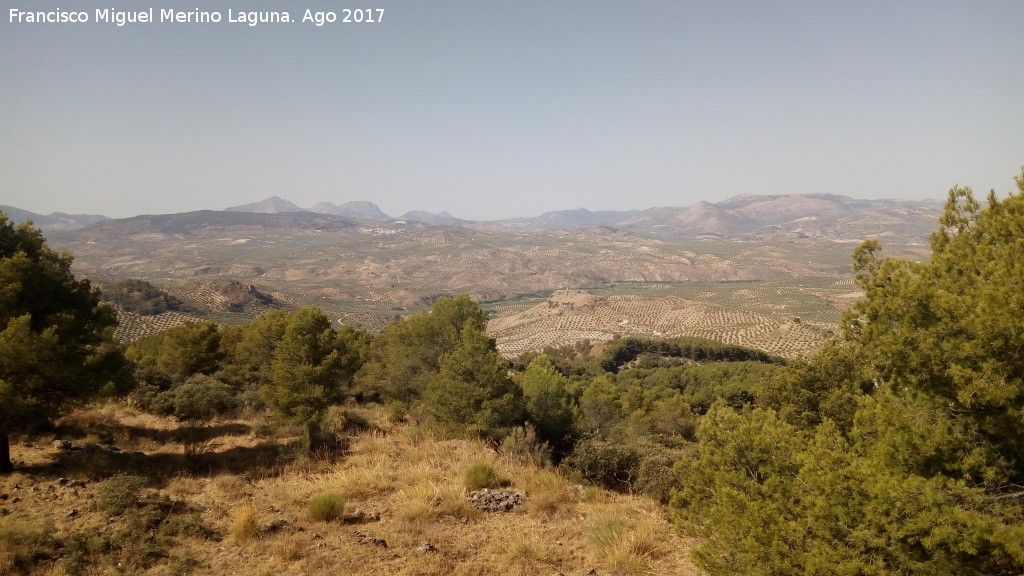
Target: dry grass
(549,493)
(243,524)
(402,486)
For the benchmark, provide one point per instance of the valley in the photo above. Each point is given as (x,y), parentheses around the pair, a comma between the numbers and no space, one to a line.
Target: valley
(768,272)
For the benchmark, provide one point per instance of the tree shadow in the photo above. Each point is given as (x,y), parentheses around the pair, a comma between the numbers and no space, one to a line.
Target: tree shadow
(115,432)
(95,463)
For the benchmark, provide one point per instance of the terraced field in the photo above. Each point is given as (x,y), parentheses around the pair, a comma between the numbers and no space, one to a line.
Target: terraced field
(546,287)
(761,315)
(131,326)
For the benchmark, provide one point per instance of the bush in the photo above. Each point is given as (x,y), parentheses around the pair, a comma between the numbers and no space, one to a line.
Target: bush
(656,477)
(523,446)
(327,506)
(608,464)
(397,412)
(480,475)
(119,493)
(202,397)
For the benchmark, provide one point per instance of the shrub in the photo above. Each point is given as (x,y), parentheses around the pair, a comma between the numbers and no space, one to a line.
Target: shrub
(119,493)
(397,412)
(523,446)
(202,397)
(608,464)
(480,475)
(327,506)
(186,525)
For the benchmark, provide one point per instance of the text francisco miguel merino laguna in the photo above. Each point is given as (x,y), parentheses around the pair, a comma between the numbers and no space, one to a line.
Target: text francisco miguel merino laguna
(123,17)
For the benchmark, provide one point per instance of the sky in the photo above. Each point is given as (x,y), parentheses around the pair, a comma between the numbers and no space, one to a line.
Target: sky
(493,110)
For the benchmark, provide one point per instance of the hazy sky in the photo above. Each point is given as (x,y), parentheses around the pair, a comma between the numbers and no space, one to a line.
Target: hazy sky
(492,109)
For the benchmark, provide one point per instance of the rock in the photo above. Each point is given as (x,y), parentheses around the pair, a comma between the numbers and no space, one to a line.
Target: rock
(497,500)
(364,538)
(426,547)
(72,514)
(277,525)
(360,517)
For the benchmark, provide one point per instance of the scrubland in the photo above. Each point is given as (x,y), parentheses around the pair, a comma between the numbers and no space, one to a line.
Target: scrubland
(128,492)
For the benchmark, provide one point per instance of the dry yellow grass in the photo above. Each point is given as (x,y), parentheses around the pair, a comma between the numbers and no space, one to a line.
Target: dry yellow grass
(402,486)
(243,524)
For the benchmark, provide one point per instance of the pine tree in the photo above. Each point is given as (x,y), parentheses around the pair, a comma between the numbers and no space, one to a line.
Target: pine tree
(56,345)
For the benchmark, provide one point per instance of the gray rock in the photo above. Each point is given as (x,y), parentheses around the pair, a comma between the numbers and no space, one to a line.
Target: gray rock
(364,538)
(426,547)
(497,500)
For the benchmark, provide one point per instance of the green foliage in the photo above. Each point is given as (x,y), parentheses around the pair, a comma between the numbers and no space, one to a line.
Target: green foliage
(480,475)
(141,297)
(626,350)
(120,493)
(249,352)
(407,354)
(609,464)
(177,353)
(56,340)
(951,328)
(898,450)
(600,410)
(313,367)
(523,445)
(548,403)
(202,397)
(327,506)
(472,393)
(700,385)
(825,388)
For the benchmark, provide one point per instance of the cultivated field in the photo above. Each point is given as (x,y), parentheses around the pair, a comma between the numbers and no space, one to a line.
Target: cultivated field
(763,315)
(780,293)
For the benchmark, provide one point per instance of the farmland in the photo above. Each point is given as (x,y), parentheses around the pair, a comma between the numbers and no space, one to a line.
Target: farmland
(774,291)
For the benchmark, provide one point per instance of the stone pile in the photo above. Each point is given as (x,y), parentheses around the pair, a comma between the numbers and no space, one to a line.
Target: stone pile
(497,500)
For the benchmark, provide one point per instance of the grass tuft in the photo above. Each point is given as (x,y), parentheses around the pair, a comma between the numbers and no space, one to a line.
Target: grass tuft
(327,506)
(627,547)
(480,475)
(243,524)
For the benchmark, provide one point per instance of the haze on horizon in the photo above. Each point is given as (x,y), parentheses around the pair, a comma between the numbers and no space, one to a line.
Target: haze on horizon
(501,110)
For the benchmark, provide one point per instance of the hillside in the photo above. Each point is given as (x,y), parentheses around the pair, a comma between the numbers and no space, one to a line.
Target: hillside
(241,504)
(53,221)
(366,272)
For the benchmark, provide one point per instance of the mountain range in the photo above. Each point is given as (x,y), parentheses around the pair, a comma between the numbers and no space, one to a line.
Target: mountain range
(811,215)
(53,221)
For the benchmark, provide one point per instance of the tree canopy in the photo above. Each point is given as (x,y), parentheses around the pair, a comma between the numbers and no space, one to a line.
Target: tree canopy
(900,450)
(56,340)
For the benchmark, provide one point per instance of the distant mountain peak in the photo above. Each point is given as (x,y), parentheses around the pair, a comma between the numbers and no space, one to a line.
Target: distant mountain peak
(360,209)
(54,221)
(439,219)
(272,205)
